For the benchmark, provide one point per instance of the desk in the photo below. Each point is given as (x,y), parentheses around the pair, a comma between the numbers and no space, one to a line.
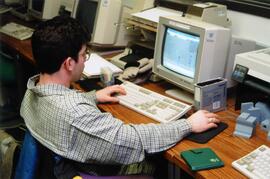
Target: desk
(21,47)
(227,147)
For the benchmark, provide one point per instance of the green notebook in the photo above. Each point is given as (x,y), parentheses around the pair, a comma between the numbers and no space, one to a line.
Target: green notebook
(201,158)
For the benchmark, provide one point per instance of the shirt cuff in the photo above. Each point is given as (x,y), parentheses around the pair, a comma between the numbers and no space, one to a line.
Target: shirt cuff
(92,95)
(185,126)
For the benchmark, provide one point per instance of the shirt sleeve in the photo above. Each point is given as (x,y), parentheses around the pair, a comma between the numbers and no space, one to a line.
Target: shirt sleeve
(91,95)
(100,138)
(160,137)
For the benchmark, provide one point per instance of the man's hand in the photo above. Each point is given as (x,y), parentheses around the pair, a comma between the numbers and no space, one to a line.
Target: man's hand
(203,120)
(107,94)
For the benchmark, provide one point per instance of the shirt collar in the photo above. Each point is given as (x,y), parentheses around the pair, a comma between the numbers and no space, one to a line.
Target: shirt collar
(47,89)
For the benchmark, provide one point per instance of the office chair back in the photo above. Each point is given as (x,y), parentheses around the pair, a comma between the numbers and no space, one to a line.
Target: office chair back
(31,165)
(35,161)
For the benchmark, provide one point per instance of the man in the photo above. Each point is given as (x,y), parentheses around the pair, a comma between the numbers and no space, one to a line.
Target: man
(69,123)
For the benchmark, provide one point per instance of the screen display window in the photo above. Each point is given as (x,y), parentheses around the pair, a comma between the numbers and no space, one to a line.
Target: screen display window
(180,51)
(86,13)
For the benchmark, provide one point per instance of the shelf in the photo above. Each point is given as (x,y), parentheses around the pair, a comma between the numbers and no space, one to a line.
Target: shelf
(151,26)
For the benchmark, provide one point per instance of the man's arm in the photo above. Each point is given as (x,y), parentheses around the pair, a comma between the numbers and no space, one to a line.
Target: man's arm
(101,138)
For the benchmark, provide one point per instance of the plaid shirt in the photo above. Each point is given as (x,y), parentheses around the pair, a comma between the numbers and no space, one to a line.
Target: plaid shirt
(69,123)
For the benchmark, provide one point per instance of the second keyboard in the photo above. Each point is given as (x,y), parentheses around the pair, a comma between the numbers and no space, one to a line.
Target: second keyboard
(151,104)
(255,164)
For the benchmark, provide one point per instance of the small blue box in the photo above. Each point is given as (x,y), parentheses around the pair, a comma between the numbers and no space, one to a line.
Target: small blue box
(211,95)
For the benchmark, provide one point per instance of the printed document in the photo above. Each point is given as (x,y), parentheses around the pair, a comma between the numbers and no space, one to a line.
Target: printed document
(95,63)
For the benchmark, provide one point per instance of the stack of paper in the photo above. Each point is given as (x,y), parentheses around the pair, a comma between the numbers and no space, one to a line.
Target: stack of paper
(94,64)
(17,31)
(153,14)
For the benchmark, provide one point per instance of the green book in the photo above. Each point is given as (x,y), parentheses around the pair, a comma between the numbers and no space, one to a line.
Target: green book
(201,158)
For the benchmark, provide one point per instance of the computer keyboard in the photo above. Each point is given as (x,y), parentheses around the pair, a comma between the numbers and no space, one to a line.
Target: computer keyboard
(17,31)
(151,104)
(256,164)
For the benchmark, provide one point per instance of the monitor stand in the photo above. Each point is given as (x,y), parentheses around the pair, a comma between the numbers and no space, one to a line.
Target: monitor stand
(180,94)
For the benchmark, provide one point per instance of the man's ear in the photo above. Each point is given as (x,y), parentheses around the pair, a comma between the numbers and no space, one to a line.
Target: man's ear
(69,64)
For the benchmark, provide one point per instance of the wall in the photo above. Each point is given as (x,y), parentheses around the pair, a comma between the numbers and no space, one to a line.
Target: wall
(250,27)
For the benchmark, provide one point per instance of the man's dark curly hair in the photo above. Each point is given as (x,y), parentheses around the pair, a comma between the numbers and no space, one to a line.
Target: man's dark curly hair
(55,40)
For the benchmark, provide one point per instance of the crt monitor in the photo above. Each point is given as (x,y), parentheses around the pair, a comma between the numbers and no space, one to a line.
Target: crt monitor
(101,18)
(43,9)
(189,51)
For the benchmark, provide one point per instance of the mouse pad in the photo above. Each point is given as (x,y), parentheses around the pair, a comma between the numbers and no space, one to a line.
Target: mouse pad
(207,135)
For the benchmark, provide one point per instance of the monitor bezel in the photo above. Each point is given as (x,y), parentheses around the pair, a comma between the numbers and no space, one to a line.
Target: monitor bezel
(50,9)
(74,14)
(34,12)
(179,80)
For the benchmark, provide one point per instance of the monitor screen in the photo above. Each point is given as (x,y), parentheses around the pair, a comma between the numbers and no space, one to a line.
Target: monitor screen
(86,13)
(43,9)
(37,5)
(180,51)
